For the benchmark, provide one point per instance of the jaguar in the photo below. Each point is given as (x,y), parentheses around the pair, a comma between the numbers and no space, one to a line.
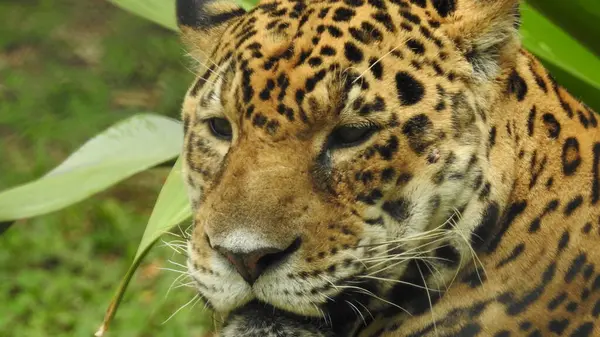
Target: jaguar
(390,168)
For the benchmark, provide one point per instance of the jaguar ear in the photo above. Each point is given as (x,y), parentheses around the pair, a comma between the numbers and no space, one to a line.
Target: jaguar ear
(486,31)
(202,23)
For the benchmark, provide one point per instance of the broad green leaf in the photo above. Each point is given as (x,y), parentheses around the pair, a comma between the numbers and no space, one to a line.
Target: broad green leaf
(159,11)
(579,18)
(171,208)
(130,146)
(574,66)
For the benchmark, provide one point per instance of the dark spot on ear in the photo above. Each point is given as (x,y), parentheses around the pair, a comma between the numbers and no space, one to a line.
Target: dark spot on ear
(410,91)
(194,14)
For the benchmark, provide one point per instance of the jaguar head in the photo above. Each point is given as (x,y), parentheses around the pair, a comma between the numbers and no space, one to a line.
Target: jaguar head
(336,151)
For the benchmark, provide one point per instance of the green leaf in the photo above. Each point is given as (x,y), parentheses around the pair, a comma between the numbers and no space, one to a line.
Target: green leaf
(171,208)
(579,18)
(574,66)
(159,11)
(124,149)
(247,4)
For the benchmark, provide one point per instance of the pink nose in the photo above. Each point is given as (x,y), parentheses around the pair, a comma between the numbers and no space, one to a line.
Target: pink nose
(251,265)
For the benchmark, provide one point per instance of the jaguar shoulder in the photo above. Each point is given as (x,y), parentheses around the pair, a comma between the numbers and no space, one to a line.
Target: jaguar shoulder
(386,168)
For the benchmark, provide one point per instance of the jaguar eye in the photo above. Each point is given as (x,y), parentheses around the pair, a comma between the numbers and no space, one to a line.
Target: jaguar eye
(220,128)
(351,135)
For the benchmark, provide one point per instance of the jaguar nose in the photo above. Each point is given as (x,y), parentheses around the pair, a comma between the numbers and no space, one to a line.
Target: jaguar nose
(250,265)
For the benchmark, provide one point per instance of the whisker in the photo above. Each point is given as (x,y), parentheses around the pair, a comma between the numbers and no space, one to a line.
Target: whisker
(186,272)
(396,281)
(220,70)
(366,292)
(374,63)
(429,299)
(367,309)
(178,278)
(354,308)
(468,244)
(183,306)
(177,263)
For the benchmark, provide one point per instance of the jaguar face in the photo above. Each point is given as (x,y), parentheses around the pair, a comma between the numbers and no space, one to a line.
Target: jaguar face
(330,148)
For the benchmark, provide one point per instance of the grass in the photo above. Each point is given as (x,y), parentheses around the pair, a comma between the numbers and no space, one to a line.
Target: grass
(69,69)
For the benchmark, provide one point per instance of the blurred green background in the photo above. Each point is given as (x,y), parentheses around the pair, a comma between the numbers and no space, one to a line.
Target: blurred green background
(68,70)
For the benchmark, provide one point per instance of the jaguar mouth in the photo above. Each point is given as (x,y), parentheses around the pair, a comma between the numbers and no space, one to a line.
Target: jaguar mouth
(326,302)
(332,287)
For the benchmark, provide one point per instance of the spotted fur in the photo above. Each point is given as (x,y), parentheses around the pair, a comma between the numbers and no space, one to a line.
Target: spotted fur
(471,207)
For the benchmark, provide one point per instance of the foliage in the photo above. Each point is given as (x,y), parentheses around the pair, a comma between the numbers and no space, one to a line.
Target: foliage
(564,45)
(68,71)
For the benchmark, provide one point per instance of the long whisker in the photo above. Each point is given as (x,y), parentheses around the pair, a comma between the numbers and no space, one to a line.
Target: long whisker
(178,278)
(468,244)
(369,293)
(397,281)
(367,309)
(429,299)
(217,73)
(354,308)
(177,264)
(374,63)
(186,272)
(183,306)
